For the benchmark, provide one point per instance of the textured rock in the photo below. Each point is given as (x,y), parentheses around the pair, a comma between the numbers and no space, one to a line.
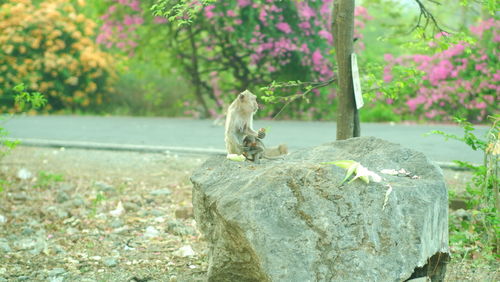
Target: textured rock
(294,220)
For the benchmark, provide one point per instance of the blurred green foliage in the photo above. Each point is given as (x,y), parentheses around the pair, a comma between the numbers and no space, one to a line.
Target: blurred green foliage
(157,78)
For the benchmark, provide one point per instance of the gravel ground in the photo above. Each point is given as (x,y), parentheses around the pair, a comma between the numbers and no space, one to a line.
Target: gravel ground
(78,215)
(82,215)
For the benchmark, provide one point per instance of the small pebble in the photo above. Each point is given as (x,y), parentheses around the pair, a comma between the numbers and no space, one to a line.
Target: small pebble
(57,271)
(110,262)
(161,192)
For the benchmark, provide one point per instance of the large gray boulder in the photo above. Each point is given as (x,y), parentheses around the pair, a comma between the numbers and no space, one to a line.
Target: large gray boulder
(294,220)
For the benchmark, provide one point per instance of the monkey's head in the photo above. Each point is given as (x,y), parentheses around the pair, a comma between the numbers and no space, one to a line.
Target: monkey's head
(249,141)
(248,102)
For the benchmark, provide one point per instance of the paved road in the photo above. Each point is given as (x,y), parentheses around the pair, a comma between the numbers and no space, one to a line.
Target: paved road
(203,134)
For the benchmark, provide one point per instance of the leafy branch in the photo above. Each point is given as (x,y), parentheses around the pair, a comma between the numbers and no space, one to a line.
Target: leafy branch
(23,98)
(181,11)
(469,137)
(270,97)
(427,17)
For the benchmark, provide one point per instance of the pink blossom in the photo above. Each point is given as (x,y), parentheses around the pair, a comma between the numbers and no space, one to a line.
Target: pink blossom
(120,45)
(481,67)
(441,34)
(326,8)
(244,3)
(304,48)
(128,20)
(362,12)
(489,98)
(358,24)
(481,105)
(262,16)
(238,21)
(317,58)
(388,57)
(159,20)
(496,76)
(229,28)
(496,37)
(135,5)
(208,11)
(327,35)
(304,25)
(275,9)
(231,13)
(284,27)
(305,11)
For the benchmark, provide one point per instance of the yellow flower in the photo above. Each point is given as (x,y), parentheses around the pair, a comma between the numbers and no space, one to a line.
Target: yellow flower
(85,102)
(17,39)
(69,9)
(80,18)
(91,87)
(99,99)
(89,31)
(60,44)
(81,3)
(72,80)
(78,94)
(35,44)
(55,33)
(76,35)
(8,49)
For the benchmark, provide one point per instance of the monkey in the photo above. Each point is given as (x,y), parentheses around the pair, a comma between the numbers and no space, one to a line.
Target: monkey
(239,123)
(254,149)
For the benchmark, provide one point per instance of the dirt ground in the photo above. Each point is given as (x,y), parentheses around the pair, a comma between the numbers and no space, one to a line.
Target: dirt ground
(81,215)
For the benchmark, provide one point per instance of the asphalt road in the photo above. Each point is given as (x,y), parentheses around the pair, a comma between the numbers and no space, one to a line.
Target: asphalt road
(205,136)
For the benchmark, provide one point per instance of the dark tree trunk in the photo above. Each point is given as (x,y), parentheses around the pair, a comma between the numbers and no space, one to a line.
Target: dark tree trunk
(343,32)
(196,73)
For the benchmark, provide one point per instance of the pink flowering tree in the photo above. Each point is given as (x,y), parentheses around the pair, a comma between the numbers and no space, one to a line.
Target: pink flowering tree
(235,45)
(461,80)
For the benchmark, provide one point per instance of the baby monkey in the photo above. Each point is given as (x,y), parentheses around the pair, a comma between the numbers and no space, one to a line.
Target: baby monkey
(254,149)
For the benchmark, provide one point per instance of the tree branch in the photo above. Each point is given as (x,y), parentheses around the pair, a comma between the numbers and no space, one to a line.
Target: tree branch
(428,16)
(310,86)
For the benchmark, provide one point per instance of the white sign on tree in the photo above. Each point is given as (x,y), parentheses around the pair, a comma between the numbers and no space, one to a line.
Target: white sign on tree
(358,96)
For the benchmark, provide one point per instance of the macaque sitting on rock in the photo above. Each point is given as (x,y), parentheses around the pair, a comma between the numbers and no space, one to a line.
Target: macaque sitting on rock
(239,123)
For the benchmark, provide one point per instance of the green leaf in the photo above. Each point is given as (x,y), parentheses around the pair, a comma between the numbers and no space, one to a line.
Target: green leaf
(19,87)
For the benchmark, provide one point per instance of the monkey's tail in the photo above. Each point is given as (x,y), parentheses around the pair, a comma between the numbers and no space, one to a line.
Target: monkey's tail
(274,152)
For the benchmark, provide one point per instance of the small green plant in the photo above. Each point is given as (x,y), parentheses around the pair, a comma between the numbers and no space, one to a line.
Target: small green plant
(24,99)
(3,183)
(46,179)
(99,198)
(477,234)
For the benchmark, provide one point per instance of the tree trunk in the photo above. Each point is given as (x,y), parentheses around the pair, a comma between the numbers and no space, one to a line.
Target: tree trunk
(343,32)
(196,74)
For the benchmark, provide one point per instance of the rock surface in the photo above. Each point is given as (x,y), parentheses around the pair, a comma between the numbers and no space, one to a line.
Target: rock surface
(294,219)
